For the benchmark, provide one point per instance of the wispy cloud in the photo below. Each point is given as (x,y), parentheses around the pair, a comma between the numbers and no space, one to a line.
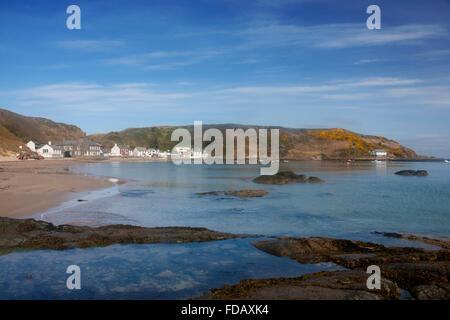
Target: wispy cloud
(333,36)
(353,94)
(90,45)
(95,97)
(364,61)
(435,54)
(163,60)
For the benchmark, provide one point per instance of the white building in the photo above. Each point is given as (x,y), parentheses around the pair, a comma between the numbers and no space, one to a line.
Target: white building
(48,151)
(139,152)
(379,153)
(152,152)
(115,151)
(183,152)
(31,145)
(163,154)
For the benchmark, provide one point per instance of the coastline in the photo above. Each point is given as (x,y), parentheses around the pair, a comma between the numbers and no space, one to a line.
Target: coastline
(29,187)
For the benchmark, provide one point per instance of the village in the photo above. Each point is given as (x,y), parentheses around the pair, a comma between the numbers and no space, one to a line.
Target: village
(89,148)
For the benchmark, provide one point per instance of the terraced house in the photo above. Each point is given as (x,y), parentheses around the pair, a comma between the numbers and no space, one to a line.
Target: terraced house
(67,149)
(80,148)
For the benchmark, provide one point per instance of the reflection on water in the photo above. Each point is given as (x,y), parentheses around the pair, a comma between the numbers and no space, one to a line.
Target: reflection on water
(159,271)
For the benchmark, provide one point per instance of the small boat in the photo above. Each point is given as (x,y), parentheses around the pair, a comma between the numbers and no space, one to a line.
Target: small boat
(446,161)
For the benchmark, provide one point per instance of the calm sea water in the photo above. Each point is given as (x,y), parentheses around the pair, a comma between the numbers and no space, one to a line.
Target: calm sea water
(355,201)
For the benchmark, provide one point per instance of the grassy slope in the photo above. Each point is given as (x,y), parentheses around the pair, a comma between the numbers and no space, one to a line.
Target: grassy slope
(16,130)
(294,143)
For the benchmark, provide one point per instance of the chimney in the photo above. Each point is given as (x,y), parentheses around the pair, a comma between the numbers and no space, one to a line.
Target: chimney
(49,143)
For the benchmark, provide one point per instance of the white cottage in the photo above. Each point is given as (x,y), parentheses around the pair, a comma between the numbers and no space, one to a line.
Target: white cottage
(31,145)
(379,153)
(115,151)
(48,151)
(139,152)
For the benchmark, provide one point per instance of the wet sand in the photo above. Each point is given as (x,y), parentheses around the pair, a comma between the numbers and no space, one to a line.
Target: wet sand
(28,187)
(32,186)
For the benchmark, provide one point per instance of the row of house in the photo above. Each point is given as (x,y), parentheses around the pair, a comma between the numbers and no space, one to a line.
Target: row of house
(89,148)
(67,149)
(119,150)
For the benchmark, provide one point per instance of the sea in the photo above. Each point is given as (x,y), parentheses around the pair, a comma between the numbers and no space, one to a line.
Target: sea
(357,200)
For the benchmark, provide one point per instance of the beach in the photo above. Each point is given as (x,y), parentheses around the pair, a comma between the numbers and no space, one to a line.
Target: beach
(28,187)
(32,186)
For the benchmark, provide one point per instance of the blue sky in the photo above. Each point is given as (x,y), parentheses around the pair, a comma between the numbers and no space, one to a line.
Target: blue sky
(295,63)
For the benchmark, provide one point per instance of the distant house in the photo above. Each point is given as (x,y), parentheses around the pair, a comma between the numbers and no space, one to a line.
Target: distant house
(379,153)
(80,148)
(163,154)
(183,152)
(140,152)
(66,149)
(31,145)
(152,152)
(47,150)
(120,151)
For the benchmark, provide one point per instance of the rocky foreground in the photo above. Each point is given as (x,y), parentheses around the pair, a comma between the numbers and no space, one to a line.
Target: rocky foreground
(30,234)
(423,273)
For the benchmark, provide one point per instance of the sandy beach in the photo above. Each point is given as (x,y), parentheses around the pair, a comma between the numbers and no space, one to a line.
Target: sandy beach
(32,186)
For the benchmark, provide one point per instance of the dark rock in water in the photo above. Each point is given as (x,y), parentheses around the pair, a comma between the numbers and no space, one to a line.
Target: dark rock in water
(418,173)
(432,292)
(443,243)
(210,193)
(315,180)
(286,177)
(406,266)
(30,234)
(236,193)
(325,285)
(247,193)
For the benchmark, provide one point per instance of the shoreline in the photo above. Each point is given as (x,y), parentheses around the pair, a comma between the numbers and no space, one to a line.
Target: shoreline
(30,187)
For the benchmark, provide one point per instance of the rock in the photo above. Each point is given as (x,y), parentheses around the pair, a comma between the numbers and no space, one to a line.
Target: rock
(210,193)
(443,243)
(421,173)
(325,285)
(236,193)
(418,173)
(408,267)
(431,292)
(315,180)
(17,234)
(285,177)
(247,193)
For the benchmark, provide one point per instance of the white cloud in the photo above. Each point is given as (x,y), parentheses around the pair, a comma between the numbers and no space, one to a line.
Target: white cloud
(90,45)
(340,35)
(364,61)
(164,60)
(94,97)
(356,93)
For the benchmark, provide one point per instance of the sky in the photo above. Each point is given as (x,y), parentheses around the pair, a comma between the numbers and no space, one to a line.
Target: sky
(294,63)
